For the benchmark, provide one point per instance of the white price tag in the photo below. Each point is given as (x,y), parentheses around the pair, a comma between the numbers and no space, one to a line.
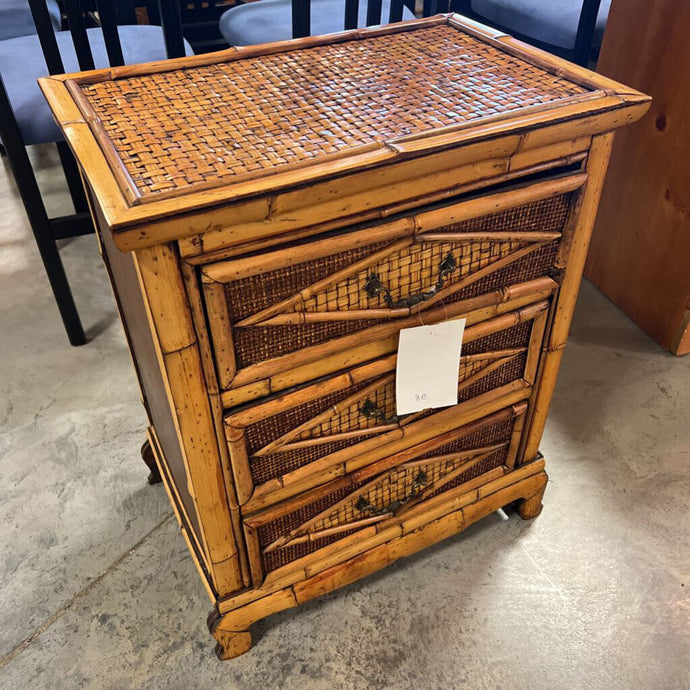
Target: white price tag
(428,365)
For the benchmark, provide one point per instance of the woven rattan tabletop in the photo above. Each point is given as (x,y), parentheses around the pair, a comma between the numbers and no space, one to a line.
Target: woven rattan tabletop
(246,117)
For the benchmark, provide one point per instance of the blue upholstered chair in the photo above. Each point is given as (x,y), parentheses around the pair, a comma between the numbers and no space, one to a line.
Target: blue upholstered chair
(569,28)
(279,20)
(22,63)
(25,118)
(16,19)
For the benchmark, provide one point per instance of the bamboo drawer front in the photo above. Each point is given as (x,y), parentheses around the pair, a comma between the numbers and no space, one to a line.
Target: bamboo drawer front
(272,216)
(385,492)
(309,302)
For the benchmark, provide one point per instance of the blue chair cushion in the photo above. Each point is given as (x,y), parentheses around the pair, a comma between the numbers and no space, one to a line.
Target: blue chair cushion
(271,20)
(16,19)
(22,63)
(552,21)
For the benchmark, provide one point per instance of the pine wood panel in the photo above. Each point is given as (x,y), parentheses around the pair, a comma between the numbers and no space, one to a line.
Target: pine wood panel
(640,251)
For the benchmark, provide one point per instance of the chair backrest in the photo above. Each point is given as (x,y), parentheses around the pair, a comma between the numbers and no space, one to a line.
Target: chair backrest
(301,13)
(111,13)
(580,52)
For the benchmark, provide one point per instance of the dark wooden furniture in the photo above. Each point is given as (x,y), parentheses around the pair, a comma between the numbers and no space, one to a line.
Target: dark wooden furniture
(199,22)
(569,28)
(640,253)
(254,23)
(270,223)
(25,120)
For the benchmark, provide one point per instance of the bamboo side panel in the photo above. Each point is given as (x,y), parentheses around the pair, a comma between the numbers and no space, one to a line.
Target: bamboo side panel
(213,389)
(164,434)
(198,556)
(171,320)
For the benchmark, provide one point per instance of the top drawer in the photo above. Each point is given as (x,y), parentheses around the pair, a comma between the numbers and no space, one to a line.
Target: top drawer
(309,302)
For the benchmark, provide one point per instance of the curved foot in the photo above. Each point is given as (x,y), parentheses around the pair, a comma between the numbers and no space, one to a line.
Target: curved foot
(150,461)
(529,508)
(231,643)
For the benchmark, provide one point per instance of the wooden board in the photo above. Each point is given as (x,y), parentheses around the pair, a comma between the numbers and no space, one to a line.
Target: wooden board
(640,250)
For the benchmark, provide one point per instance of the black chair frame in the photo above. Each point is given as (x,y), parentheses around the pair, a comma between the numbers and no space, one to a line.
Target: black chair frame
(581,51)
(48,230)
(301,13)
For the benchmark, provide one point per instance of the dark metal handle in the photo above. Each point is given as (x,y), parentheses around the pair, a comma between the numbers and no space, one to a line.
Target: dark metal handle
(374,287)
(371,410)
(418,483)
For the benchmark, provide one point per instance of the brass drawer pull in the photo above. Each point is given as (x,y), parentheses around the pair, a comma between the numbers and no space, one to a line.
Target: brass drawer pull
(370,410)
(418,483)
(374,287)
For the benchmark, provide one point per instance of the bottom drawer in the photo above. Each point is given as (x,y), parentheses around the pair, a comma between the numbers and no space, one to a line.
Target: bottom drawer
(384,493)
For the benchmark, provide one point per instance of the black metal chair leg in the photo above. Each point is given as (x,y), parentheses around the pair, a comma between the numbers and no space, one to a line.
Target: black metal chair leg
(71,170)
(40,223)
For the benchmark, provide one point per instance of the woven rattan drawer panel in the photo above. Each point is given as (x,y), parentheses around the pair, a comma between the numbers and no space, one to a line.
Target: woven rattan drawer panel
(328,296)
(326,427)
(385,491)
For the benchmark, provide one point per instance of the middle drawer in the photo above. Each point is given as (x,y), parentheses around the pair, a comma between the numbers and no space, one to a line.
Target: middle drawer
(318,432)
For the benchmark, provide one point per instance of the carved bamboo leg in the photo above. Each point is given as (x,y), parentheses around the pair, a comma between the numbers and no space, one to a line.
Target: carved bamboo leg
(531,506)
(230,643)
(150,461)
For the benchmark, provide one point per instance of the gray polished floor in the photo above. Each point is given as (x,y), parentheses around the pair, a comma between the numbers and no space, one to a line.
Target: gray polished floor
(97,590)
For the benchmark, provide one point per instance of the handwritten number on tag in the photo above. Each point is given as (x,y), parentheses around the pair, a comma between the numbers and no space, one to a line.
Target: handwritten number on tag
(426,373)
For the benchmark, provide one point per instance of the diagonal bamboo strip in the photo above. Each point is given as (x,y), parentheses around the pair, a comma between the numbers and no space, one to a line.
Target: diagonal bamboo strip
(302,532)
(314,421)
(271,316)
(464,308)
(306,293)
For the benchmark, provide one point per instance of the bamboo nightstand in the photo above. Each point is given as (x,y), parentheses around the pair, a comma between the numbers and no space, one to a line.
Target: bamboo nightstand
(272,216)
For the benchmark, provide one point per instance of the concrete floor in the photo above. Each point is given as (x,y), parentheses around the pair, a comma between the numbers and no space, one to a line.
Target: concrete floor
(97,589)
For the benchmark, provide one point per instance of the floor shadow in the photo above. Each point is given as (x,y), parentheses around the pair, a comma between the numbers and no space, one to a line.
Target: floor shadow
(599,322)
(101,326)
